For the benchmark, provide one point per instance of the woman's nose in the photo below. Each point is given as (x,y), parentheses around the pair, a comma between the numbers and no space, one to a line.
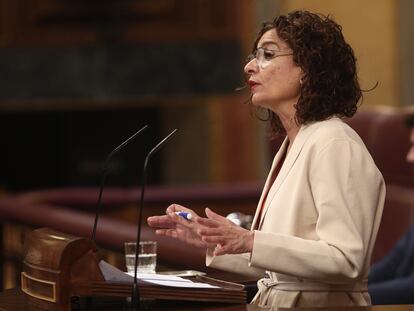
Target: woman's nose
(251,67)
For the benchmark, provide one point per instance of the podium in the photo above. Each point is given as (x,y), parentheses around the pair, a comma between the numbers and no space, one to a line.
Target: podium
(59,266)
(53,263)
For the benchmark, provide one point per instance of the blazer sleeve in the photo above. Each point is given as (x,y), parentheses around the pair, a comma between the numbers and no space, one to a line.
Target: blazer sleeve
(234,263)
(347,191)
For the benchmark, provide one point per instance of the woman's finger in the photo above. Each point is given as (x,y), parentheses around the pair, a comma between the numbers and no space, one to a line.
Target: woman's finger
(208,222)
(212,215)
(160,222)
(161,231)
(220,250)
(181,221)
(174,208)
(213,239)
(170,233)
(178,208)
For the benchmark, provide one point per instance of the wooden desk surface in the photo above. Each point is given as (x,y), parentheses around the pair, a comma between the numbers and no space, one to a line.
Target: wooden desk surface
(14,300)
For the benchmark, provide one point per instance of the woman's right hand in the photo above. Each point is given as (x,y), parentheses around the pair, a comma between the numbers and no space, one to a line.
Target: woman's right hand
(177,227)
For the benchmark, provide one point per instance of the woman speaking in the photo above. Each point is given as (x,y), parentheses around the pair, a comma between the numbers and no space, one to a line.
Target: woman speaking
(317,219)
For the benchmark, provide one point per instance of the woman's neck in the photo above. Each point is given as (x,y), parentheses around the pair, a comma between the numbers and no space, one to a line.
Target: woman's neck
(287,117)
(292,129)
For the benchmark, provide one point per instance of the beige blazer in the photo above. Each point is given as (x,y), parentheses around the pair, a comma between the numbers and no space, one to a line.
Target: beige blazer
(319,222)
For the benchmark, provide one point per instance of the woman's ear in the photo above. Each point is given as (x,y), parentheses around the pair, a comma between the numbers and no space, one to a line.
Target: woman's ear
(302,78)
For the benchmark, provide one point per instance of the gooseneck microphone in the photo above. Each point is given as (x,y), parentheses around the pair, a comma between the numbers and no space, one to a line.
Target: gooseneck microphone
(105,172)
(135,290)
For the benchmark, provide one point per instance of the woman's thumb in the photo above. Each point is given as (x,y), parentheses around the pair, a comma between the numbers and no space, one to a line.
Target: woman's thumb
(212,215)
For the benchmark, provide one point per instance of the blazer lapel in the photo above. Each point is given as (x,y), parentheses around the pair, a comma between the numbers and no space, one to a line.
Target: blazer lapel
(291,157)
(269,183)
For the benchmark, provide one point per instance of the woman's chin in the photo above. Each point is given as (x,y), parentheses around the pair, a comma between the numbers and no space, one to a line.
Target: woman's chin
(258,102)
(255,100)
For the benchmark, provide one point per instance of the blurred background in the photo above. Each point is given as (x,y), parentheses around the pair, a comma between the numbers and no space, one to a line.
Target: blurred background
(77,77)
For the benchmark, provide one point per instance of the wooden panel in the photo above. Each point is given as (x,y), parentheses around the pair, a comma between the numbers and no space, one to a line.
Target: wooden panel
(374,38)
(233,151)
(28,22)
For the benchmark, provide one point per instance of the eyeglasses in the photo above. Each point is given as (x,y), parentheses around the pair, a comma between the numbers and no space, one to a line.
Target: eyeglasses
(264,56)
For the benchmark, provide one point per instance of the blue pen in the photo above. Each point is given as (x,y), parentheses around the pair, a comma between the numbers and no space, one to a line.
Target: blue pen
(185,215)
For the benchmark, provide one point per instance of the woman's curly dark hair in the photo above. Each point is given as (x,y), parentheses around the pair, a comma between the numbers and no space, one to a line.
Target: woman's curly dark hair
(330,84)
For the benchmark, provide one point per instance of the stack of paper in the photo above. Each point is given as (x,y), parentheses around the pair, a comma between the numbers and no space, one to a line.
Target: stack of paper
(167,287)
(170,280)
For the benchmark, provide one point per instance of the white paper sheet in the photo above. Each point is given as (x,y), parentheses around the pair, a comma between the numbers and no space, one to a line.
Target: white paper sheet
(170,280)
(113,274)
(161,277)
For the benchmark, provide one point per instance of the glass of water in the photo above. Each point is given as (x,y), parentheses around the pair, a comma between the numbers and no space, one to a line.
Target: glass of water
(147,256)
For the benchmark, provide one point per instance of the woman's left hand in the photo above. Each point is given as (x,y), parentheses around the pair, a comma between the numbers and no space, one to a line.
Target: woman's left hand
(229,238)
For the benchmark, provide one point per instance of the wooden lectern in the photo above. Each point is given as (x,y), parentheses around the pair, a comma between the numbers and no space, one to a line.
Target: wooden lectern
(57,266)
(53,264)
